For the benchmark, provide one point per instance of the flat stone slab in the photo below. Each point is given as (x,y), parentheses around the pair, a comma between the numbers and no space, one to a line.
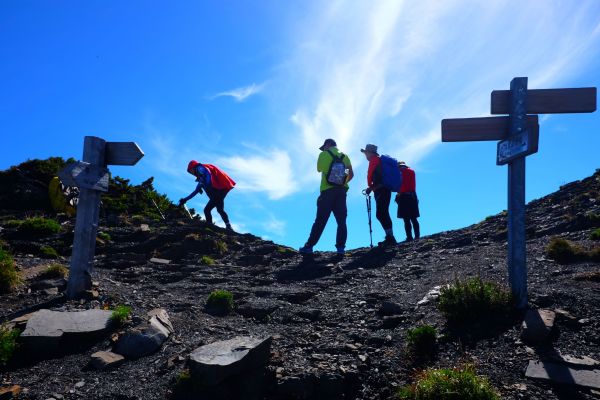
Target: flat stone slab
(215,362)
(537,325)
(160,261)
(147,338)
(563,374)
(103,360)
(46,328)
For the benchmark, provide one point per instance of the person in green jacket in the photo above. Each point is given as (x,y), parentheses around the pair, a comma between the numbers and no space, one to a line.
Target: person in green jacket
(336,171)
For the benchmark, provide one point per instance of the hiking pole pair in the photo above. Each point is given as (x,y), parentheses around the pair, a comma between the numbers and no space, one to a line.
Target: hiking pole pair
(368,199)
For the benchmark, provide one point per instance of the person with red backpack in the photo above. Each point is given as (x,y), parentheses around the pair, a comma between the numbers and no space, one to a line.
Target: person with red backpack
(382,180)
(216,184)
(408,202)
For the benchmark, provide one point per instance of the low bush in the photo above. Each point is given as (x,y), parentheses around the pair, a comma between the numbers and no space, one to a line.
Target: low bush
(104,236)
(48,252)
(221,247)
(8,342)
(207,260)
(563,252)
(9,277)
(421,341)
(220,302)
(449,384)
(595,234)
(54,271)
(39,226)
(120,314)
(473,300)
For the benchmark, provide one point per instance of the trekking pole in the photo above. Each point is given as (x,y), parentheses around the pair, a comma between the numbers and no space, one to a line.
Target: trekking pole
(368,199)
(159,211)
(188,211)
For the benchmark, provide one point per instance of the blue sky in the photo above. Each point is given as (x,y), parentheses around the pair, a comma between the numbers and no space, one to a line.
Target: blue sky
(255,87)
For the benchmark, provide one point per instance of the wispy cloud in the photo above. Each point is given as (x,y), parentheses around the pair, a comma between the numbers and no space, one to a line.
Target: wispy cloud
(275,226)
(242,93)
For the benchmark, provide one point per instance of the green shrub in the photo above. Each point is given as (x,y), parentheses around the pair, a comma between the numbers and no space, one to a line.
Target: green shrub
(8,343)
(54,271)
(285,250)
(563,252)
(595,234)
(48,252)
(9,277)
(104,236)
(207,260)
(220,302)
(39,226)
(120,314)
(421,341)
(221,247)
(474,299)
(13,223)
(449,384)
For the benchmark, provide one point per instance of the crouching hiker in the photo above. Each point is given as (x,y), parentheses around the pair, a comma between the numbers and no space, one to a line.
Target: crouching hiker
(216,184)
(408,202)
(336,172)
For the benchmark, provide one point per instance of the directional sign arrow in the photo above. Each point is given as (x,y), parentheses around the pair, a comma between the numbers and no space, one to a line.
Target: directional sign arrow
(66,174)
(122,153)
(85,175)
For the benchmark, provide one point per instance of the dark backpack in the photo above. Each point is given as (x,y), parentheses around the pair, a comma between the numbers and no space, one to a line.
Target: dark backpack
(337,170)
(391,174)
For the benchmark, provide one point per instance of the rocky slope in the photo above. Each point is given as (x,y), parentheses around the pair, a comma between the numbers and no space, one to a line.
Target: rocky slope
(338,326)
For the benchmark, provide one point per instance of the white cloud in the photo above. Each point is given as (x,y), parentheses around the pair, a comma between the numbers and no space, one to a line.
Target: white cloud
(270,173)
(242,93)
(275,226)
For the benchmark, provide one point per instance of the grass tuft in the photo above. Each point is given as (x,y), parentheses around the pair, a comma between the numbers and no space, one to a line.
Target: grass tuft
(473,300)
(221,247)
(48,252)
(8,343)
(9,277)
(421,341)
(120,314)
(220,302)
(595,234)
(104,236)
(449,384)
(54,271)
(39,226)
(207,260)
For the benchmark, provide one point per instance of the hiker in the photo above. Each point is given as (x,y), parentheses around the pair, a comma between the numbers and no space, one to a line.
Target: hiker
(381,191)
(408,202)
(216,184)
(336,171)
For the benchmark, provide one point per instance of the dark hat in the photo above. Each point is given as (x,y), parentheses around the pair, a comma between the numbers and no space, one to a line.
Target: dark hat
(370,148)
(328,142)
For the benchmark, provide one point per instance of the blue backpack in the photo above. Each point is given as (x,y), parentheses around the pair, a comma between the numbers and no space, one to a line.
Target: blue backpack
(391,175)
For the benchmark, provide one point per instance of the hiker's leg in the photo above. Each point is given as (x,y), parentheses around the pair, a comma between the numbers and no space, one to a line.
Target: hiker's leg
(416,227)
(324,206)
(408,229)
(382,202)
(340,212)
(207,210)
(220,204)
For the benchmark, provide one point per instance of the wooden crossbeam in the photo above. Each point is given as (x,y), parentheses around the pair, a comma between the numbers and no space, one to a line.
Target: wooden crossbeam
(476,129)
(549,101)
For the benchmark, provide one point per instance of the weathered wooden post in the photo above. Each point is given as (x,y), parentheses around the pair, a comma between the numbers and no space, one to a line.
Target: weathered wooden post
(519,137)
(91,176)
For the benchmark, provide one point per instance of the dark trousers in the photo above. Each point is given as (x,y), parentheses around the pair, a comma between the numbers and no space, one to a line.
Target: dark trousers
(216,198)
(408,228)
(330,201)
(383,197)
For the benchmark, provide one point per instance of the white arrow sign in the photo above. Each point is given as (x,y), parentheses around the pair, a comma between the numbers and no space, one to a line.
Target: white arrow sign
(85,175)
(122,153)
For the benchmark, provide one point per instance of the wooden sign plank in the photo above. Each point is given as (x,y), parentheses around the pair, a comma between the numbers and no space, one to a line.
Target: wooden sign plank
(122,153)
(476,129)
(520,145)
(549,101)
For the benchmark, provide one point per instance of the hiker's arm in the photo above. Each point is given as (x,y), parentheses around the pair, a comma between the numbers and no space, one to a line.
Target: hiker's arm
(350,174)
(195,192)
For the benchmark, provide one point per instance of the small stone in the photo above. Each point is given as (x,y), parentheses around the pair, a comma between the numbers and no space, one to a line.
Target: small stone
(362,357)
(144,228)
(160,261)
(10,392)
(80,384)
(103,360)
(584,321)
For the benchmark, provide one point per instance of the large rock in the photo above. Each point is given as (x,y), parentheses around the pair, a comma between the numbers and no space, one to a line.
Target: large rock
(147,338)
(215,362)
(563,374)
(537,326)
(47,330)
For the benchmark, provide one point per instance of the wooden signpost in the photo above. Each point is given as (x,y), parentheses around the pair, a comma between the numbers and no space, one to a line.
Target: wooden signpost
(91,176)
(518,136)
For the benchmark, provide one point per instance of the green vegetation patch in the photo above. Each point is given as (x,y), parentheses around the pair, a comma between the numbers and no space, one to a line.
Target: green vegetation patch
(449,384)
(220,302)
(564,252)
(54,271)
(473,300)
(207,260)
(120,314)
(39,226)
(421,341)
(104,236)
(9,277)
(595,234)
(48,252)
(8,342)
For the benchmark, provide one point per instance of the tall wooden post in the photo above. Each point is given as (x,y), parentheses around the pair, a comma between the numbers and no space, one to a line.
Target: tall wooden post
(86,225)
(517,263)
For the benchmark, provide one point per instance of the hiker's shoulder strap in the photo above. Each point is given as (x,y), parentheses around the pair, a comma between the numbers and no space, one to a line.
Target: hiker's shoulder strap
(340,157)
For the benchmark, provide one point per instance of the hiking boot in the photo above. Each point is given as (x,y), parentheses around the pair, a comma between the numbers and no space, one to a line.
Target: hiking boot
(389,241)
(228,227)
(340,250)
(305,250)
